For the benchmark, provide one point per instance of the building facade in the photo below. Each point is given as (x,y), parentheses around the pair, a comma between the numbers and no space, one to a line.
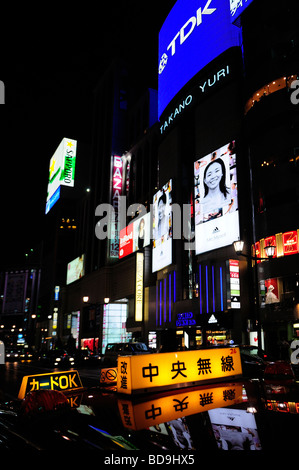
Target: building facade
(212,158)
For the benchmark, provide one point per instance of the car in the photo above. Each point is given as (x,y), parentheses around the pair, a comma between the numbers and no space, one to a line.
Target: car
(12,354)
(253,361)
(169,426)
(85,357)
(26,355)
(56,358)
(113,350)
(279,377)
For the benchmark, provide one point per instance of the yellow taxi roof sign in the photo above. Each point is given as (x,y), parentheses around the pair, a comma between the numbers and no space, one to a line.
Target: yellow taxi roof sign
(62,381)
(152,372)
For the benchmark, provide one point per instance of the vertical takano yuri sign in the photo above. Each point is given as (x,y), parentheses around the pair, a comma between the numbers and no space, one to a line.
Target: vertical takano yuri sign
(116,192)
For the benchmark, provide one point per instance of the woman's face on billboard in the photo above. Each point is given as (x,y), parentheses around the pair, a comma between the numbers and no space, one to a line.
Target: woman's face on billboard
(213,176)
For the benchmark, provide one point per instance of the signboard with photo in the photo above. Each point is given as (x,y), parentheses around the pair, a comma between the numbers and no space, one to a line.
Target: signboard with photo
(216,199)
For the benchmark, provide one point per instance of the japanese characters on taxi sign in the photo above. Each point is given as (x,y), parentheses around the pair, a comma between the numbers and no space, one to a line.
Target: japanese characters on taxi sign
(169,370)
(154,411)
(62,381)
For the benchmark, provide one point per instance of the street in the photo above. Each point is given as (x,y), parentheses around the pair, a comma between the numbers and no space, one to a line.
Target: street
(13,372)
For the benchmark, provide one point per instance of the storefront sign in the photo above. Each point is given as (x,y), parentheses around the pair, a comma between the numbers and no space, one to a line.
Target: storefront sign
(185,319)
(62,381)
(234,275)
(290,242)
(137,374)
(171,407)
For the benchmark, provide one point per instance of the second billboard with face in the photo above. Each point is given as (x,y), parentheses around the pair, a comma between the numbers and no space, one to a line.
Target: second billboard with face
(216,199)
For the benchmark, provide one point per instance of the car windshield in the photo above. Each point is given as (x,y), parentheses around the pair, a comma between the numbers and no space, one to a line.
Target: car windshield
(139,347)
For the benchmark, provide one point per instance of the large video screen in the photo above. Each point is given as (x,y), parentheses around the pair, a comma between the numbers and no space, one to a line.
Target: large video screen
(193,34)
(216,199)
(162,227)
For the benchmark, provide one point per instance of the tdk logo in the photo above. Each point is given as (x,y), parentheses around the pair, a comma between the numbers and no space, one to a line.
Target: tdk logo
(185,31)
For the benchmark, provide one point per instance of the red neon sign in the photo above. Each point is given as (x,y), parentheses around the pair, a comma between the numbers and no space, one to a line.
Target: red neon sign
(290,242)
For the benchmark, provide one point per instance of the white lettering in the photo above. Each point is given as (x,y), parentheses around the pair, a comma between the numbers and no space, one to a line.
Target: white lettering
(184,36)
(216,78)
(203,87)
(186,102)
(191,23)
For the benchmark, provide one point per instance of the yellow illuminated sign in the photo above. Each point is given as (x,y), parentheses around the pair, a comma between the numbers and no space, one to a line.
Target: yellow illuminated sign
(170,407)
(62,381)
(169,370)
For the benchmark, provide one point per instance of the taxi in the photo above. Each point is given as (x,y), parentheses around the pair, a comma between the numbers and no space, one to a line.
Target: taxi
(187,402)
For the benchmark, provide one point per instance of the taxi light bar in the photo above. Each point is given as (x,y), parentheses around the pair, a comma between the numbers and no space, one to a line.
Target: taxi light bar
(62,381)
(152,372)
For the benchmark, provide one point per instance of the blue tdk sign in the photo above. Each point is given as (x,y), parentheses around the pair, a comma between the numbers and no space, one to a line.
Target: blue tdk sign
(194,33)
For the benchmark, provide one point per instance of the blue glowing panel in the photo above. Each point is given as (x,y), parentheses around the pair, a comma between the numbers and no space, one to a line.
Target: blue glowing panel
(193,34)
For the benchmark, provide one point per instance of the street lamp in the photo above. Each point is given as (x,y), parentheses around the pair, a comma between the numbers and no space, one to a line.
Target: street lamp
(269,250)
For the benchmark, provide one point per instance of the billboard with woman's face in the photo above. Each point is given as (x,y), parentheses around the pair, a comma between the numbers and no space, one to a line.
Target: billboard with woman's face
(216,199)
(162,227)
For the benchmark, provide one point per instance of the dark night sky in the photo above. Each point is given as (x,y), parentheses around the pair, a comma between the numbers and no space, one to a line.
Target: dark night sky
(51,59)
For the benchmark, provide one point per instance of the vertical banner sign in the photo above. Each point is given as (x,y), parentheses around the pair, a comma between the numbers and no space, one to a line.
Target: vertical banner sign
(139,287)
(116,192)
(234,280)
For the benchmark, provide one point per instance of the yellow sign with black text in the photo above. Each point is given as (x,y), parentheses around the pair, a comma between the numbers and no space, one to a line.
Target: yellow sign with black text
(150,372)
(176,405)
(62,381)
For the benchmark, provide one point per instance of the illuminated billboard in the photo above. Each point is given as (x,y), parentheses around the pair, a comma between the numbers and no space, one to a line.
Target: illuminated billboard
(61,170)
(116,193)
(191,37)
(216,200)
(75,269)
(135,236)
(162,227)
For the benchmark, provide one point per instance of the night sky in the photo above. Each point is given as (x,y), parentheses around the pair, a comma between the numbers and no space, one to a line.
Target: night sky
(51,59)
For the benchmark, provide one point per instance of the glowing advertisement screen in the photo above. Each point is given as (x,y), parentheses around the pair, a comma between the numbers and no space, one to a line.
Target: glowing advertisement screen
(216,199)
(193,34)
(75,269)
(135,236)
(162,227)
(61,170)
